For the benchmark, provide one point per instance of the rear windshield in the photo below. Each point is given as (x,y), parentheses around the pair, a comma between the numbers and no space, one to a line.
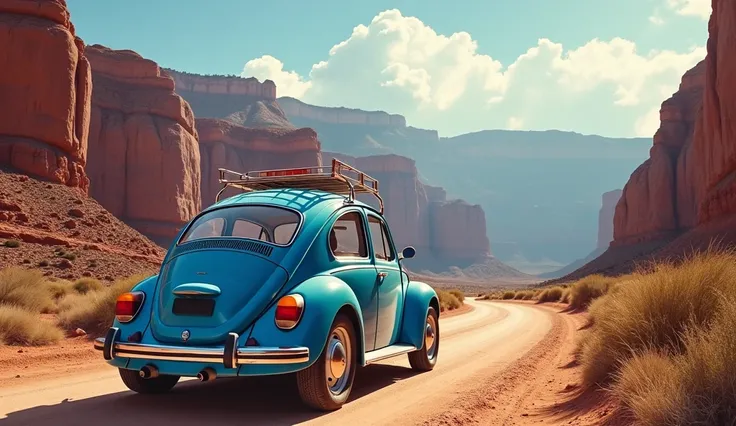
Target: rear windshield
(272,224)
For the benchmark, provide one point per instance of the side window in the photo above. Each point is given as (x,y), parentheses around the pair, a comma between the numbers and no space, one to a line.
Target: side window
(347,236)
(283,233)
(247,229)
(379,236)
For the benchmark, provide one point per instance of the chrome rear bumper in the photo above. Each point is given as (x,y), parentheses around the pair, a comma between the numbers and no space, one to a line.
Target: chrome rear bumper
(229,355)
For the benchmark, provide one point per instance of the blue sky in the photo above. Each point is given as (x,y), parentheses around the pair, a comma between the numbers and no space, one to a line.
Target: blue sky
(406,61)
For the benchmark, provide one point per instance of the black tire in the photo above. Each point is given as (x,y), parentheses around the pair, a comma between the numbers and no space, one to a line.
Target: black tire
(136,383)
(312,382)
(425,358)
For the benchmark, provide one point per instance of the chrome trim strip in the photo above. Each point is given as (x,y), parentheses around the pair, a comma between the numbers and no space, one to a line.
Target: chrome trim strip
(387,352)
(244,355)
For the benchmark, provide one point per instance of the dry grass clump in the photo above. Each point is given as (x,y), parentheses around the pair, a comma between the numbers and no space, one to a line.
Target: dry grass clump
(26,289)
(19,326)
(524,295)
(95,310)
(585,290)
(667,340)
(552,294)
(565,298)
(459,295)
(85,285)
(508,295)
(448,300)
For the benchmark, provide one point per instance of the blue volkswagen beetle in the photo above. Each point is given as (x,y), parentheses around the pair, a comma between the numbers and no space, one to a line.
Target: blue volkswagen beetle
(292,275)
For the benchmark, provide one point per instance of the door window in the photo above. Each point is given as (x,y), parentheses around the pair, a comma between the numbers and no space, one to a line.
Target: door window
(379,236)
(347,236)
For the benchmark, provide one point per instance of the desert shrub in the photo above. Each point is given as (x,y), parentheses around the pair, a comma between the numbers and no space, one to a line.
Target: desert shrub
(694,387)
(85,285)
(524,295)
(459,295)
(59,288)
(652,311)
(552,294)
(565,298)
(448,301)
(25,288)
(94,311)
(19,326)
(587,289)
(12,243)
(508,295)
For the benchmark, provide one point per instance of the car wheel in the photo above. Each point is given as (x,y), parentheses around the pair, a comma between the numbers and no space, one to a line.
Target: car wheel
(425,358)
(326,384)
(136,383)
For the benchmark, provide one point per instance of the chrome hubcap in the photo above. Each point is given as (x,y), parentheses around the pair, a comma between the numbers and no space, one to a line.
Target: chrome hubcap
(338,360)
(430,333)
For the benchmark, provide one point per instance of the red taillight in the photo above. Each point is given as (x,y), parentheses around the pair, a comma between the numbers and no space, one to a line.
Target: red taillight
(289,311)
(128,305)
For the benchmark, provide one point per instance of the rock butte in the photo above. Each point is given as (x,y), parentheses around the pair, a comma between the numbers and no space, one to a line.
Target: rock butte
(143,150)
(445,232)
(233,147)
(43,130)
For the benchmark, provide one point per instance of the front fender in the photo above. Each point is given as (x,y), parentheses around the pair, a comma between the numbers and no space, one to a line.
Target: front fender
(324,296)
(419,297)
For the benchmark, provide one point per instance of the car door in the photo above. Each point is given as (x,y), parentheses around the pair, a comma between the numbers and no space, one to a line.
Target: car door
(389,283)
(348,245)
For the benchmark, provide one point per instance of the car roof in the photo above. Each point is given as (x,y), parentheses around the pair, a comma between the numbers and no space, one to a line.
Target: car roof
(302,200)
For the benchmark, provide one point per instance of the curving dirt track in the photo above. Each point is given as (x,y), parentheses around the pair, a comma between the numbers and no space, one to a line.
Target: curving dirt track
(478,380)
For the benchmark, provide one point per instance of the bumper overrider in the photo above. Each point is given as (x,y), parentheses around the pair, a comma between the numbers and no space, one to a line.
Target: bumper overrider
(230,355)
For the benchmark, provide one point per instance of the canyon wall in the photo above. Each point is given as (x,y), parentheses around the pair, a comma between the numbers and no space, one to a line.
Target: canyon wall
(690,178)
(144,161)
(295,108)
(227,145)
(45,90)
(605,217)
(444,232)
(221,96)
(659,200)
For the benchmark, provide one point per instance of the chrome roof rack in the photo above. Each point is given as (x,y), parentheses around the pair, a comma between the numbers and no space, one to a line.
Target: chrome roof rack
(335,178)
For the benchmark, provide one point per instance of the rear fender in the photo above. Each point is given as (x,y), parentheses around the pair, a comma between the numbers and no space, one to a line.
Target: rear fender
(141,321)
(324,296)
(419,297)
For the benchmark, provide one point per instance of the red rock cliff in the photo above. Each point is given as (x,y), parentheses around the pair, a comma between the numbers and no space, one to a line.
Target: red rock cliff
(444,233)
(241,149)
(714,142)
(690,179)
(605,217)
(658,199)
(143,150)
(45,89)
(296,108)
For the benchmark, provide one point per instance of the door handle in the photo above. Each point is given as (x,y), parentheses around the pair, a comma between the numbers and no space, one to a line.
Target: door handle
(381,276)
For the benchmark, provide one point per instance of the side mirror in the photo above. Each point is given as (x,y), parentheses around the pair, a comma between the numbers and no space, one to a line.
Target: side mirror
(408,253)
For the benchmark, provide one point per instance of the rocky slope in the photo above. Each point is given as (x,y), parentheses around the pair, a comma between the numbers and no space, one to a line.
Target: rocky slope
(684,196)
(44,96)
(143,145)
(66,234)
(224,144)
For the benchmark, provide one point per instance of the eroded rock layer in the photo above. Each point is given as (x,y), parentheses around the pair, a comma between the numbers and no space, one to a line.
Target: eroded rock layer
(224,144)
(45,89)
(144,159)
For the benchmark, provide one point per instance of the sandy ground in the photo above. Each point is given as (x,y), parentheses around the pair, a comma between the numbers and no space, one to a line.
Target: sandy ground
(500,363)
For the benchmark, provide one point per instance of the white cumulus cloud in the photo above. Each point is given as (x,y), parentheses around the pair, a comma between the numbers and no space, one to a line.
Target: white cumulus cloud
(401,65)
(699,8)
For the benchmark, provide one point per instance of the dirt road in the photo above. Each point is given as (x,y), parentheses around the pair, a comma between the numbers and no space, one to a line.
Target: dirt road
(475,347)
